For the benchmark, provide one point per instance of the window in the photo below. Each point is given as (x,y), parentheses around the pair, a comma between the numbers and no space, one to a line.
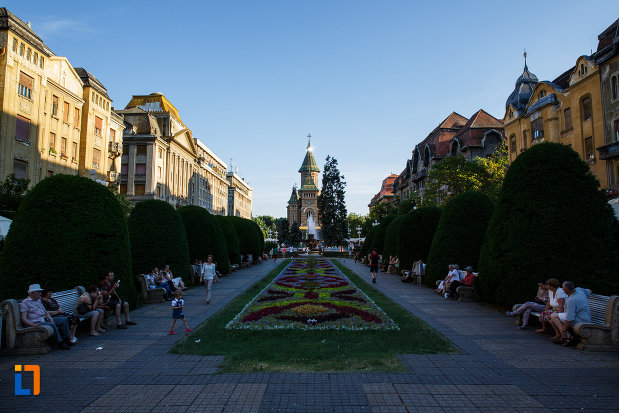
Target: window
(159,172)
(41,63)
(617,131)
(76,117)
(567,118)
(139,189)
(52,141)
(96,158)
(21,49)
(50,173)
(141,150)
(93,96)
(512,144)
(15,45)
(22,129)
(589,153)
(65,113)
(54,105)
(123,188)
(63,147)
(541,94)
(158,190)
(525,139)
(140,169)
(28,54)
(614,87)
(35,59)
(123,169)
(20,169)
(586,108)
(160,153)
(74,151)
(112,135)
(537,128)
(25,86)
(98,125)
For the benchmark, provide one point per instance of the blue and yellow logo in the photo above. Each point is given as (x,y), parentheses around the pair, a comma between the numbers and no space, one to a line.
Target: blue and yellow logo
(36,386)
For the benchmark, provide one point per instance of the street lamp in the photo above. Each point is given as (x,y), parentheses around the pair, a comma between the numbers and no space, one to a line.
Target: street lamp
(276,234)
(358,231)
(270,233)
(375,223)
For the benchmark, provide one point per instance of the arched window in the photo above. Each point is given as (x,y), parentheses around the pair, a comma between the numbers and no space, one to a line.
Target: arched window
(512,144)
(455,147)
(586,108)
(426,160)
(614,87)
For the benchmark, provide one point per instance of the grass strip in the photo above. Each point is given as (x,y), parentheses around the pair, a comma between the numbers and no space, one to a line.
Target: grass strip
(313,350)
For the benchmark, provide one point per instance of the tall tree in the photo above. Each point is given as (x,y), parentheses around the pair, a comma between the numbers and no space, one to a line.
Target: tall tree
(295,234)
(332,206)
(357,221)
(283,230)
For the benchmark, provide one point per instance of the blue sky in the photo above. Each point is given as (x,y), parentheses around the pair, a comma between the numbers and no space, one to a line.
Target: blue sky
(368,79)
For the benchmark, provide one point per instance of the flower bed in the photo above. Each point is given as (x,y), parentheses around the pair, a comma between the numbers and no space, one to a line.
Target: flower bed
(312,294)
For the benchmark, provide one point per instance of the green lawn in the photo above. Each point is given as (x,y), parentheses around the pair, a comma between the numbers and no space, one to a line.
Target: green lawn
(313,350)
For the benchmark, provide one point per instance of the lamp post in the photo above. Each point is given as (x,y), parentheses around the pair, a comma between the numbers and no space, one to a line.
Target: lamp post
(375,223)
(270,233)
(358,231)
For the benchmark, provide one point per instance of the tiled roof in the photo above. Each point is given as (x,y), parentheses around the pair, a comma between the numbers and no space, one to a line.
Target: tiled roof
(294,197)
(89,80)
(546,100)
(309,163)
(308,184)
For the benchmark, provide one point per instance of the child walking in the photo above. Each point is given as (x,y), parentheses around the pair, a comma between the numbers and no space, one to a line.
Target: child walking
(177,311)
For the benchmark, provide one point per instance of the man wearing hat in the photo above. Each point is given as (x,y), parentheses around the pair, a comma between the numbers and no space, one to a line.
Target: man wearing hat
(33,314)
(467,282)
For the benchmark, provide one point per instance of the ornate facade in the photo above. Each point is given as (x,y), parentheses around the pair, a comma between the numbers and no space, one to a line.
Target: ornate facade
(239,196)
(303,202)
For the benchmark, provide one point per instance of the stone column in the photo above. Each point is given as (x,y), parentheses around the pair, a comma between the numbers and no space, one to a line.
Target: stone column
(133,150)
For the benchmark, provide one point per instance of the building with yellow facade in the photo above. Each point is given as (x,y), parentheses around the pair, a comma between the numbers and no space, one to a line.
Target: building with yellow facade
(239,196)
(567,110)
(48,123)
(210,184)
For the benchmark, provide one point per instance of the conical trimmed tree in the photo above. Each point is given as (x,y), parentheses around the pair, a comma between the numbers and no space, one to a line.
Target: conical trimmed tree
(416,233)
(460,234)
(249,240)
(392,236)
(68,231)
(551,220)
(232,240)
(157,238)
(205,236)
(378,241)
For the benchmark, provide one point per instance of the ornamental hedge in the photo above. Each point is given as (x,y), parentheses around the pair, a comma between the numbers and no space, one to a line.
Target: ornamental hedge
(250,236)
(158,238)
(367,243)
(232,240)
(378,240)
(205,236)
(68,231)
(392,236)
(551,220)
(416,234)
(460,234)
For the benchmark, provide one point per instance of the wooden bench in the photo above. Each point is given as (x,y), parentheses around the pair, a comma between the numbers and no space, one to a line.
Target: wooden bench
(602,333)
(21,339)
(150,295)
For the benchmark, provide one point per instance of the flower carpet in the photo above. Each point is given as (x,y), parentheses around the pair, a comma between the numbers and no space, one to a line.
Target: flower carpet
(312,294)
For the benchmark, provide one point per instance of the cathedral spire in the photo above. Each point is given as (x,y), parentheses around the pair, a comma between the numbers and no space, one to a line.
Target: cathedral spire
(309,142)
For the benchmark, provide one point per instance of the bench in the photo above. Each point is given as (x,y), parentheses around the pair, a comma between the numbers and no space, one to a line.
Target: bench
(234,267)
(464,293)
(150,295)
(602,333)
(22,340)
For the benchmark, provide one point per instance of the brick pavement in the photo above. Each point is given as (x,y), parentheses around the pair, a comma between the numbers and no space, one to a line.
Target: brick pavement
(498,368)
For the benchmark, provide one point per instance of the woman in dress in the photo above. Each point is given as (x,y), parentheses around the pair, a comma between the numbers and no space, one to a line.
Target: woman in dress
(207,275)
(176,282)
(87,306)
(556,300)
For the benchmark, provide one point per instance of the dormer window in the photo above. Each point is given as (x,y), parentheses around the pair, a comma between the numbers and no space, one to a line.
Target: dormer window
(541,94)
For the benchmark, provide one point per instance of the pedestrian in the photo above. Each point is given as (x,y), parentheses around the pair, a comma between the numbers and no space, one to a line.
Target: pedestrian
(207,275)
(374,257)
(177,311)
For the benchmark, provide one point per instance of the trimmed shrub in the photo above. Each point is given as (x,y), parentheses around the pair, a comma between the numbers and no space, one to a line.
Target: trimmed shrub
(250,242)
(392,236)
(416,233)
(367,244)
(158,238)
(378,241)
(551,220)
(68,231)
(460,234)
(232,240)
(205,236)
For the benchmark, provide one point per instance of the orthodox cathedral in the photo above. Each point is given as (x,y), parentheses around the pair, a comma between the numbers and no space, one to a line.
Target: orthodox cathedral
(303,206)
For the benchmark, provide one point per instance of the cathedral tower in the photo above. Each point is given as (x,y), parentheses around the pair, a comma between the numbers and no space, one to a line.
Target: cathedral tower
(303,202)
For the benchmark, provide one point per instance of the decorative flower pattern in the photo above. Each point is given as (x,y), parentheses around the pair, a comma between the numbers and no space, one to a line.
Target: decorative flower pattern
(311,294)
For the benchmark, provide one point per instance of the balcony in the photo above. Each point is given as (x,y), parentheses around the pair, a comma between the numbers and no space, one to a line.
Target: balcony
(420,175)
(115,149)
(113,176)
(609,151)
(613,191)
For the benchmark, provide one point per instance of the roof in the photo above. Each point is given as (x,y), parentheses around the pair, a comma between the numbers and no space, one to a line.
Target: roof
(294,197)
(9,21)
(90,81)
(139,122)
(608,36)
(155,102)
(522,90)
(473,132)
(308,184)
(546,100)
(309,163)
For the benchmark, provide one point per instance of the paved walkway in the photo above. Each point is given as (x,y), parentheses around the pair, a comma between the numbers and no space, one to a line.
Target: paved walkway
(497,369)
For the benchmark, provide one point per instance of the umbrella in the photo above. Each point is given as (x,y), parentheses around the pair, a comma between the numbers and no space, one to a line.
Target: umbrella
(5,224)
